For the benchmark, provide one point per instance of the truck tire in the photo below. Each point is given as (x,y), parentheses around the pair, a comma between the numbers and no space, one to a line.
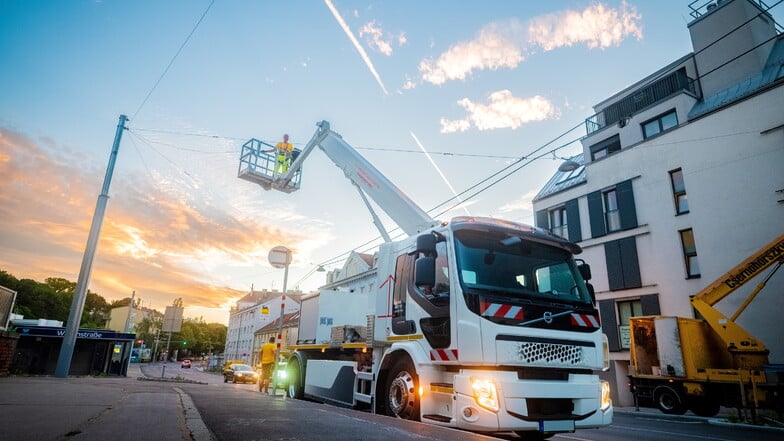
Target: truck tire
(669,401)
(704,407)
(296,389)
(401,399)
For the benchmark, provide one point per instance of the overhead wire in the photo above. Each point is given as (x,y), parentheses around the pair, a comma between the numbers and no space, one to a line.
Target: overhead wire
(165,71)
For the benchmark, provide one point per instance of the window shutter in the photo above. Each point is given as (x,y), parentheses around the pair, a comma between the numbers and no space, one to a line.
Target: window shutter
(612,256)
(628,211)
(596,214)
(650,304)
(630,263)
(610,324)
(541,219)
(573,221)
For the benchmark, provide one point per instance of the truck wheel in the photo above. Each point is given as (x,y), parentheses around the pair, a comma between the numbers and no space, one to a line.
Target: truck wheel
(295,380)
(401,391)
(669,401)
(704,407)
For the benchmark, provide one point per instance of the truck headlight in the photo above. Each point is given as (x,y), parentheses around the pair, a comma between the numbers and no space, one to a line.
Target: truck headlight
(485,393)
(606,399)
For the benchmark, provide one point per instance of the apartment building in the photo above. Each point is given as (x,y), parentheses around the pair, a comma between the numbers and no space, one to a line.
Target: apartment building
(252,312)
(682,177)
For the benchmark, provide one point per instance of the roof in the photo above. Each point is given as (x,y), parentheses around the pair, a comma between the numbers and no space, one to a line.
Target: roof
(289,320)
(564,180)
(772,72)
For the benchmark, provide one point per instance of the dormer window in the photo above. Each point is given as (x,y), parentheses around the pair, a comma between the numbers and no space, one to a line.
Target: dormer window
(606,147)
(660,124)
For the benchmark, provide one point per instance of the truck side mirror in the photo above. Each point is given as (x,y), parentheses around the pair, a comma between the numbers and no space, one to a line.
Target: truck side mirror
(585,270)
(426,244)
(425,271)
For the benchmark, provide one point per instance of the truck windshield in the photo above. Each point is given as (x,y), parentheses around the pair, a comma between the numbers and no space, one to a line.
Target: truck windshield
(524,269)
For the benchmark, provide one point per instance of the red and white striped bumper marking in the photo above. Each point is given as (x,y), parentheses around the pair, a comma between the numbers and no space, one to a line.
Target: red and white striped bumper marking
(585,320)
(501,310)
(443,355)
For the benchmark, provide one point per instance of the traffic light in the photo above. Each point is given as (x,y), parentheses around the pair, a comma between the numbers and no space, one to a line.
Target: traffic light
(184,343)
(139,341)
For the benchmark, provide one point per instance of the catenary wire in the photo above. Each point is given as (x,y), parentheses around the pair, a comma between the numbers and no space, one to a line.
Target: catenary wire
(155,86)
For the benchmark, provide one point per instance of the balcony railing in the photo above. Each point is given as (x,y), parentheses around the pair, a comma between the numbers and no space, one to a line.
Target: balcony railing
(644,97)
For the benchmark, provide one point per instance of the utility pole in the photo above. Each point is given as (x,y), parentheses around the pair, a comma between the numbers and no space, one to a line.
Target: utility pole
(77,305)
(280,257)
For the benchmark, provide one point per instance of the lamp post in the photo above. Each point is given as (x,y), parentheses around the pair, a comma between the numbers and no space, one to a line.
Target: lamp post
(280,257)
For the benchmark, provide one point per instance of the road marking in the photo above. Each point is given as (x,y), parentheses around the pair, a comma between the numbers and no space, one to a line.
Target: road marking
(671,433)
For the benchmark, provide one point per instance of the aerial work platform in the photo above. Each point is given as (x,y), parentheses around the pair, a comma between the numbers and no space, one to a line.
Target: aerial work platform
(258,164)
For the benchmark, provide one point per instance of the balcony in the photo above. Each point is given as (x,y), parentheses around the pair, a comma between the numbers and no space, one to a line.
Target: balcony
(644,97)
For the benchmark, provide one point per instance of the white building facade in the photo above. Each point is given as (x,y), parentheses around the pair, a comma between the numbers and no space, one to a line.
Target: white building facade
(251,313)
(681,178)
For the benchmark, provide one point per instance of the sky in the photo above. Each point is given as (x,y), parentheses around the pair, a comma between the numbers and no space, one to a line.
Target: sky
(438,95)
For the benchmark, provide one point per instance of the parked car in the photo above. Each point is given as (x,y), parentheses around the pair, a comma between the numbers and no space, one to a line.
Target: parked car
(240,373)
(186,363)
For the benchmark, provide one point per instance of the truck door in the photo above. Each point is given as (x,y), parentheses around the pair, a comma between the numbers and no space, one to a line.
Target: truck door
(433,298)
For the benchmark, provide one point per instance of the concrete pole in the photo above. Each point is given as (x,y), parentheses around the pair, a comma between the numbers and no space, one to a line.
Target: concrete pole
(80,296)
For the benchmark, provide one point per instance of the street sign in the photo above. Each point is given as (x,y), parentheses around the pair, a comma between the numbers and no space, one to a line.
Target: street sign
(279,257)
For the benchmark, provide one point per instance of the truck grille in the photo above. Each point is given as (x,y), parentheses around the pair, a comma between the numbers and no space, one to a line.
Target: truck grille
(549,353)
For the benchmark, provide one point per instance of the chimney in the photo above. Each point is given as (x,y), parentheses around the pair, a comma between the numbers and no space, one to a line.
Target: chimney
(715,43)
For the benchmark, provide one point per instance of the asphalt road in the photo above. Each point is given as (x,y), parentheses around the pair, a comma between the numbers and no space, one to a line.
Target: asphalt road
(240,412)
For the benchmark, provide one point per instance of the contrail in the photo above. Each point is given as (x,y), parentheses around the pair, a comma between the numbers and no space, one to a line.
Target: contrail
(438,170)
(358,47)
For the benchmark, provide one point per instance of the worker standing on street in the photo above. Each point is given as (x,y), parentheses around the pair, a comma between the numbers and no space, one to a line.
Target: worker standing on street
(267,362)
(284,149)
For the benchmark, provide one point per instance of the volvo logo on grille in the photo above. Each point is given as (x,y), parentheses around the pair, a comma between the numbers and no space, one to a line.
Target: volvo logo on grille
(548,317)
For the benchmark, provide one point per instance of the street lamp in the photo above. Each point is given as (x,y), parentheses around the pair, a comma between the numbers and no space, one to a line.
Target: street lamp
(280,257)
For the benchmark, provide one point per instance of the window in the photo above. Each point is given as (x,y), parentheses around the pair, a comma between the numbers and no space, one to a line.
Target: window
(660,124)
(679,192)
(612,209)
(558,222)
(612,215)
(606,147)
(555,220)
(627,310)
(690,254)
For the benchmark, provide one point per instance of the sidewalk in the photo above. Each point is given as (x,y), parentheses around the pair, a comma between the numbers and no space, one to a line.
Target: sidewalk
(90,409)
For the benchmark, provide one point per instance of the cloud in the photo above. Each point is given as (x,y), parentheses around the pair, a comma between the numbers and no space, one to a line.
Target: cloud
(492,49)
(376,40)
(596,26)
(523,203)
(156,239)
(503,111)
(506,44)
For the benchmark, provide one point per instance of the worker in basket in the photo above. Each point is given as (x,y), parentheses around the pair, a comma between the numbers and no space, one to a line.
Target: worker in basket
(283,149)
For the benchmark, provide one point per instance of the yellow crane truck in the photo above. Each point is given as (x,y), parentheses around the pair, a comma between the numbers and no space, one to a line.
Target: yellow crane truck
(680,364)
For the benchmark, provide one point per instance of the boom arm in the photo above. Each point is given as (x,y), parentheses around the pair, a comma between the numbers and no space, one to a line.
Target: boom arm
(735,337)
(403,211)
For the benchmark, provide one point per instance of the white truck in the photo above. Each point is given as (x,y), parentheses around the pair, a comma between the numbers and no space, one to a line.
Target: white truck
(475,323)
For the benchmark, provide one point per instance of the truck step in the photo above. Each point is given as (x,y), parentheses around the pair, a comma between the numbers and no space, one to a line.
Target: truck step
(439,418)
